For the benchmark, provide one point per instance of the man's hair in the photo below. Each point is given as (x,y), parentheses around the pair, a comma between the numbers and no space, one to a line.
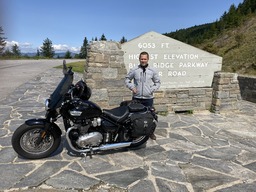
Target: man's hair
(144,53)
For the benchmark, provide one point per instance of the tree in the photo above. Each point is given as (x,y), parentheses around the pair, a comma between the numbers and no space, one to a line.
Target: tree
(47,49)
(8,53)
(2,41)
(37,53)
(232,17)
(68,55)
(83,50)
(103,38)
(123,40)
(16,50)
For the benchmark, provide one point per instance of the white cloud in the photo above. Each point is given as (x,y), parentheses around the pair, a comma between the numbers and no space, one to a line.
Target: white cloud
(9,44)
(26,45)
(75,49)
(60,47)
(29,48)
(64,48)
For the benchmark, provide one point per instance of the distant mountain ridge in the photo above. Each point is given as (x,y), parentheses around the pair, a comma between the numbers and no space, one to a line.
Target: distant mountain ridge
(58,54)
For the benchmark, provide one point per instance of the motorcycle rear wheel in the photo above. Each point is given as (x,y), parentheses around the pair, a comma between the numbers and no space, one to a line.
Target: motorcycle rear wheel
(136,142)
(24,142)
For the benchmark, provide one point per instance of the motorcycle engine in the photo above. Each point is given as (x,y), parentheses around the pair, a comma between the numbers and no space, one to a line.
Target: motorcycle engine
(89,139)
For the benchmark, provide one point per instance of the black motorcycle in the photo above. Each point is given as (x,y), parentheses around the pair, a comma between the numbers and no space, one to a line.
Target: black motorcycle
(88,127)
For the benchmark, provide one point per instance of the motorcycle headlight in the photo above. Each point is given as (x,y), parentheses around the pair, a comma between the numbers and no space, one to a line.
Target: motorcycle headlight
(46,104)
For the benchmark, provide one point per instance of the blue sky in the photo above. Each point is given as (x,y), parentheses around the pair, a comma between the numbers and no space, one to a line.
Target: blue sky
(29,22)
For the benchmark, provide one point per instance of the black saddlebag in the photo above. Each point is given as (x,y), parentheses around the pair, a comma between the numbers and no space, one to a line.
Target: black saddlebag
(142,124)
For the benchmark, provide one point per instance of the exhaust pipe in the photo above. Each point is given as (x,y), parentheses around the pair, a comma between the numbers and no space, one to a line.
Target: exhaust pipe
(100,148)
(114,146)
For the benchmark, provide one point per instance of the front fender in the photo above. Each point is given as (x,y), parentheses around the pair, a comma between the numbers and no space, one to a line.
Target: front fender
(41,121)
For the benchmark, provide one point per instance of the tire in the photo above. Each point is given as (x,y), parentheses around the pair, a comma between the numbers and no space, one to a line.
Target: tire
(24,137)
(139,141)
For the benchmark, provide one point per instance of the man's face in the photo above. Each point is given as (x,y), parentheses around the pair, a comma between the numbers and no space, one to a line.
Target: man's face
(143,60)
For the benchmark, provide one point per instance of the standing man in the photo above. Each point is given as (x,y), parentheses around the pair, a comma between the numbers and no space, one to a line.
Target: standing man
(143,81)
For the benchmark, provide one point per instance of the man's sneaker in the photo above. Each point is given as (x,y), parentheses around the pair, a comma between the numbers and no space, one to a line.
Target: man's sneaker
(152,136)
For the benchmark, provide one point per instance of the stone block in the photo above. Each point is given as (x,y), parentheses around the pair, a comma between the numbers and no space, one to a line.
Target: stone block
(209,93)
(200,105)
(170,94)
(234,95)
(96,76)
(103,104)
(231,87)
(197,91)
(112,83)
(204,99)
(127,98)
(103,46)
(222,94)
(109,73)
(115,101)
(172,100)
(180,108)
(216,102)
(115,65)
(96,65)
(99,95)
(122,72)
(184,100)
(119,93)
(181,96)
(93,70)
(100,58)
(161,100)
(223,74)
(161,108)
(89,81)
(159,94)
(224,81)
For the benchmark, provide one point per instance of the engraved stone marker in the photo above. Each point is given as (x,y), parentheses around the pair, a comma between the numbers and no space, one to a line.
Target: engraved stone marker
(179,65)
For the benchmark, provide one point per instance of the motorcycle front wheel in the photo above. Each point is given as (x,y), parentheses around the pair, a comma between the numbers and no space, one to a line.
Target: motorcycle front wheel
(24,142)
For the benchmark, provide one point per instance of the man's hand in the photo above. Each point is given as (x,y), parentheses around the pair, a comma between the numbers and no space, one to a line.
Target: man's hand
(134,90)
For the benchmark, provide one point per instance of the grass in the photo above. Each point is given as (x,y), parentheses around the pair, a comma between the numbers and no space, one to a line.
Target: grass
(162,113)
(76,66)
(237,47)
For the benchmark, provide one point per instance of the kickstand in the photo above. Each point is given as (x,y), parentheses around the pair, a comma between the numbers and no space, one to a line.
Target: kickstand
(90,153)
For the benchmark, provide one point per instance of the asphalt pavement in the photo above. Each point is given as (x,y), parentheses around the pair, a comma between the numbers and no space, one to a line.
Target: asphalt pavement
(202,151)
(14,73)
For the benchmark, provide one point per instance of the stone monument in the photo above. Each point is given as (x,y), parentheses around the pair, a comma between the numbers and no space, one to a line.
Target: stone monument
(187,74)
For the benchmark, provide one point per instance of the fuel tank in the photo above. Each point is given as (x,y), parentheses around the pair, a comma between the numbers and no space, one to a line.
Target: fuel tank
(79,109)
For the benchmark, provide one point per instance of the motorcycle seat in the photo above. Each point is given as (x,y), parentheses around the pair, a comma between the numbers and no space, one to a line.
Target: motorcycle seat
(136,107)
(117,114)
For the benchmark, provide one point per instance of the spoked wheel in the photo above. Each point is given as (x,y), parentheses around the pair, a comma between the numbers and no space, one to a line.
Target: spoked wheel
(136,142)
(25,142)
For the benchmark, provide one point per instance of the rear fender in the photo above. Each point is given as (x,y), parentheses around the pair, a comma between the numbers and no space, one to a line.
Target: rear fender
(44,122)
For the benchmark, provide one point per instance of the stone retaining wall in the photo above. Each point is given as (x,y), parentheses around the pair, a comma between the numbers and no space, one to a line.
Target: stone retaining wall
(178,100)
(226,92)
(105,73)
(248,88)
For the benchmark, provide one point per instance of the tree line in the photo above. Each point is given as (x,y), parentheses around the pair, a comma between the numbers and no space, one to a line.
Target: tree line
(233,18)
(47,49)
